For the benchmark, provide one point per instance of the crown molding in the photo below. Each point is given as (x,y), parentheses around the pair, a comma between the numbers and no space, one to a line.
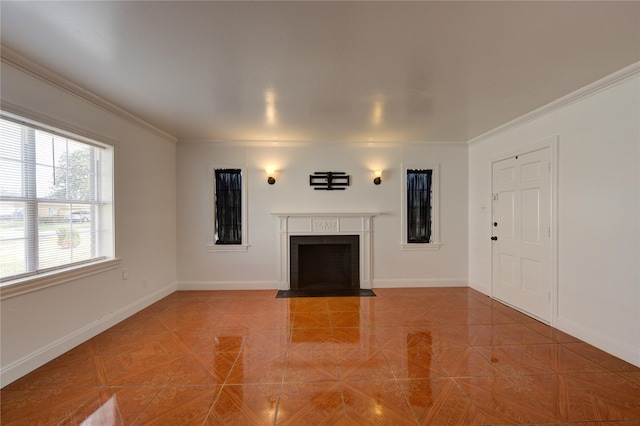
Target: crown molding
(582,93)
(316,143)
(35,70)
(49,124)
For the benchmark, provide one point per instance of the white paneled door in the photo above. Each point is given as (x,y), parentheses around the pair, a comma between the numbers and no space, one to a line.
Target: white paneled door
(521,232)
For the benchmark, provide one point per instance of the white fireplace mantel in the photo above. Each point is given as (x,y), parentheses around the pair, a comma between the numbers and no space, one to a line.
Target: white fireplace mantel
(324,224)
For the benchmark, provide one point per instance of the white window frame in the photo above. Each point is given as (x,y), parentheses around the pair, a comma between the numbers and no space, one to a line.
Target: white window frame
(29,282)
(212,246)
(435,208)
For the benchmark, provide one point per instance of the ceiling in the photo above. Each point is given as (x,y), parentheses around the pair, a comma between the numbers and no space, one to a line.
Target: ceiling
(326,71)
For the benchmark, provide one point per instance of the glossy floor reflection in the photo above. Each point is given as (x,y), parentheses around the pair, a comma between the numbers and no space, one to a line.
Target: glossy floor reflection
(447,356)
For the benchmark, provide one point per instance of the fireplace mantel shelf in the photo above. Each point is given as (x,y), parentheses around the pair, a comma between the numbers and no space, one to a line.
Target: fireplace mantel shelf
(343,214)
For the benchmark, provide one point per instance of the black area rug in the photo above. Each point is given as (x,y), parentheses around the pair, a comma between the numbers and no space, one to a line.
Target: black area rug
(287,294)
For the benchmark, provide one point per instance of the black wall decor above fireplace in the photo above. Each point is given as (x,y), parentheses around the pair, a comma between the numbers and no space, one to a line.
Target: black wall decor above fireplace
(329,181)
(324,262)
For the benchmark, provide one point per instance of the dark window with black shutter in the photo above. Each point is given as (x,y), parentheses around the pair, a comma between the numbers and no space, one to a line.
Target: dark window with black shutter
(228,199)
(418,206)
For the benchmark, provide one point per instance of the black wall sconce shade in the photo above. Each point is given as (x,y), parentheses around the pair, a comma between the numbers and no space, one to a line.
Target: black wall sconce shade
(378,177)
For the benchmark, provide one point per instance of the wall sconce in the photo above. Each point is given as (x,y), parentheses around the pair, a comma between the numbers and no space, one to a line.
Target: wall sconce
(270,179)
(378,178)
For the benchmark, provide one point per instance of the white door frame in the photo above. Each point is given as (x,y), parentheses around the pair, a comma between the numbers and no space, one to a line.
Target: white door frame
(553,144)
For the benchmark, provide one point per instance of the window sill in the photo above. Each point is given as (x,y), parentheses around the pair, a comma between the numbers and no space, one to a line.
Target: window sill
(49,279)
(228,247)
(420,247)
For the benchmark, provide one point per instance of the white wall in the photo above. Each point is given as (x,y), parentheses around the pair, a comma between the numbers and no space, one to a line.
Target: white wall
(598,297)
(256,268)
(162,239)
(38,326)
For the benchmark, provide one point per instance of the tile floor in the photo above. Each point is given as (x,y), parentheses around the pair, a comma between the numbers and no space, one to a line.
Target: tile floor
(447,356)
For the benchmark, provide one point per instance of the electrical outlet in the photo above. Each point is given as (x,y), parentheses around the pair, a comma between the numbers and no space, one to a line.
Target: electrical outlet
(125,274)
(144,284)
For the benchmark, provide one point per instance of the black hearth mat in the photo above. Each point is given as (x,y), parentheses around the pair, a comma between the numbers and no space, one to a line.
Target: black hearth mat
(287,294)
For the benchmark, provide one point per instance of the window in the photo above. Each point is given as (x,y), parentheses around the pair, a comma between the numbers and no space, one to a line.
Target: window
(228,200)
(420,209)
(229,212)
(418,206)
(56,200)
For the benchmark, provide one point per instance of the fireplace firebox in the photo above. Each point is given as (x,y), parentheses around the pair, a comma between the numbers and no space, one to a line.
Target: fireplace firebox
(324,262)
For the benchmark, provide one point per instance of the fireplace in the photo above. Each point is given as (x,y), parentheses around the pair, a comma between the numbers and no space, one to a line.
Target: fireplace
(324,262)
(357,225)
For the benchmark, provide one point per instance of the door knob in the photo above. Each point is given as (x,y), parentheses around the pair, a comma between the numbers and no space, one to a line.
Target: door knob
(494,238)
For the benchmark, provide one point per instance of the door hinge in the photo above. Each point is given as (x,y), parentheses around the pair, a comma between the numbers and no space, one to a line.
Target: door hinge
(495,197)
(549,232)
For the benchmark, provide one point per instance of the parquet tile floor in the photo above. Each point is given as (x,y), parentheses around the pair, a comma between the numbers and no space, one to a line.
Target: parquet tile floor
(432,356)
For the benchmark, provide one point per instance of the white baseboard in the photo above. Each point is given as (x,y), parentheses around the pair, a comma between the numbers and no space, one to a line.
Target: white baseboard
(228,285)
(25,365)
(273,285)
(486,290)
(418,282)
(612,346)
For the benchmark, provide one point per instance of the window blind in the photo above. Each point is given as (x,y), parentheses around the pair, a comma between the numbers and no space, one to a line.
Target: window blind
(56,207)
